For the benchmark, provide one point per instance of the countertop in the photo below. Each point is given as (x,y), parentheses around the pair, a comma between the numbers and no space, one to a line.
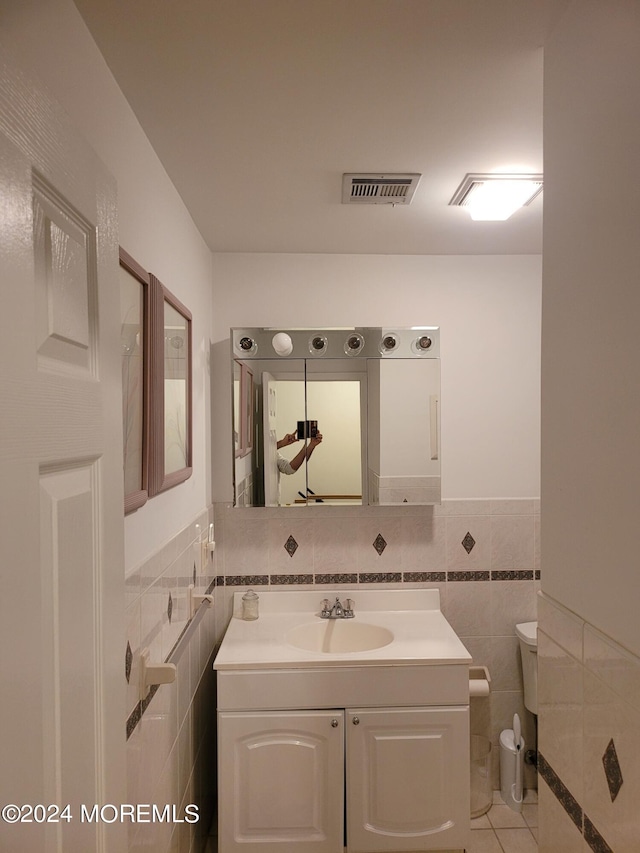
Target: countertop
(421,634)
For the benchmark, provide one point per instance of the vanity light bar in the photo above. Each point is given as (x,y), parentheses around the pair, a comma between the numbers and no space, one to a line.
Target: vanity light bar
(356,342)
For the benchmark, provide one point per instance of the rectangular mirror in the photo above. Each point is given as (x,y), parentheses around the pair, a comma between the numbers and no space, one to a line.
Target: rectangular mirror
(134,345)
(171,390)
(341,416)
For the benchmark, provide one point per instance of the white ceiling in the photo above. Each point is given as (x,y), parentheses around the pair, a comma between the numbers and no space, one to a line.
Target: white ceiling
(257,107)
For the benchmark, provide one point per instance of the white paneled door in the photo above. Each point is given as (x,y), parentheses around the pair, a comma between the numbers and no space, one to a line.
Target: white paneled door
(62,708)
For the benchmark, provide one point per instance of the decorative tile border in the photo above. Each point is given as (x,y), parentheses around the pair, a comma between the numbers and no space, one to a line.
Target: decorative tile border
(519,575)
(560,791)
(593,838)
(136,715)
(290,579)
(380,577)
(571,806)
(246,580)
(424,577)
(330,579)
(468,576)
(373,577)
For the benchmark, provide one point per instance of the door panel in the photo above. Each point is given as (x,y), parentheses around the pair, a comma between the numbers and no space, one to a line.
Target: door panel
(65,268)
(282,779)
(407,773)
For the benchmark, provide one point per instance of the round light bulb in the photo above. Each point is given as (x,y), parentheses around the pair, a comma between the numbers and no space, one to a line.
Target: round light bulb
(282,344)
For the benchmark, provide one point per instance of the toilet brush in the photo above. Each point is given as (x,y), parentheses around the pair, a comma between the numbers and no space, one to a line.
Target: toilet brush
(516,788)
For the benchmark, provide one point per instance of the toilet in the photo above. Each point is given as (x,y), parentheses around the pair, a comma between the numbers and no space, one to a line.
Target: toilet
(527,633)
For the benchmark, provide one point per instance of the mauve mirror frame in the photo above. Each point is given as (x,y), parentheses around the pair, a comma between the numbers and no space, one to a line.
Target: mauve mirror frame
(136,498)
(159,479)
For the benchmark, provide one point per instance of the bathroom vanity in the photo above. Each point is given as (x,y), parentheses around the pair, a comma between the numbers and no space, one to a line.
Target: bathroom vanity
(339,734)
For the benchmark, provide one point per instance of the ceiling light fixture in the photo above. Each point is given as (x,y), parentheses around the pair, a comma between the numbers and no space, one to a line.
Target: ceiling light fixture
(496,196)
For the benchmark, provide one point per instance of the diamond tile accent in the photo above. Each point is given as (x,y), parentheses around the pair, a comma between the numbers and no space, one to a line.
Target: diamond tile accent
(379,543)
(291,546)
(468,542)
(170,607)
(128,660)
(612,770)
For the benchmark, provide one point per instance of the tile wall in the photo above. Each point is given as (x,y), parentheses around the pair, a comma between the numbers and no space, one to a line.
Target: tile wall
(589,704)
(482,555)
(171,734)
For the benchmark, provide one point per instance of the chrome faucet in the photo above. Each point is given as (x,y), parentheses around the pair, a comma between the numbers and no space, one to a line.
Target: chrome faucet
(337,611)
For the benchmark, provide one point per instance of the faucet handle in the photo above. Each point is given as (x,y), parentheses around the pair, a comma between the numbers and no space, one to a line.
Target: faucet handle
(325,608)
(348,608)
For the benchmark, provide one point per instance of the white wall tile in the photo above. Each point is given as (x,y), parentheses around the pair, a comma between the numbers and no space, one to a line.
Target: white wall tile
(512,542)
(613,665)
(564,627)
(607,716)
(160,763)
(468,608)
(556,830)
(512,602)
(423,544)
(560,701)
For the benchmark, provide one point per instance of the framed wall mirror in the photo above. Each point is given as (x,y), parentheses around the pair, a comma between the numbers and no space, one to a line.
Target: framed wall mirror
(339,416)
(171,393)
(134,344)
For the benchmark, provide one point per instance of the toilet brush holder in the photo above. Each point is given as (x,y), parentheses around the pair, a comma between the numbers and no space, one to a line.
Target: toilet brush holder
(511,768)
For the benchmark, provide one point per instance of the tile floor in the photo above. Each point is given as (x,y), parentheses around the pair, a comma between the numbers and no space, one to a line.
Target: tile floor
(500,830)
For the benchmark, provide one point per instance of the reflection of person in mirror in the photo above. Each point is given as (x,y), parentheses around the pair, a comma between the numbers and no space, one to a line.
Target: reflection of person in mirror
(286,466)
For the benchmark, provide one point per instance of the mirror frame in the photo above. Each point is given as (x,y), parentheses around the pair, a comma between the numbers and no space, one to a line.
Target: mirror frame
(348,344)
(138,497)
(246,411)
(159,479)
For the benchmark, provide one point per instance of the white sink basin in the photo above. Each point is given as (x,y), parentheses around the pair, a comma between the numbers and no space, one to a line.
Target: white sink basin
(391,628)
(333,636)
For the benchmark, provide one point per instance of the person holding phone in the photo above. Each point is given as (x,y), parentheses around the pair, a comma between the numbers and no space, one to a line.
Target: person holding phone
(286,466)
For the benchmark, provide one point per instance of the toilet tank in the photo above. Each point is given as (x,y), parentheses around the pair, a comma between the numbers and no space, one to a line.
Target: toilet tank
(527,633)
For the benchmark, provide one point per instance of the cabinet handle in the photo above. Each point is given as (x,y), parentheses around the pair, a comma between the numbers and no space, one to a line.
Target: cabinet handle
(334,723)
(356,721)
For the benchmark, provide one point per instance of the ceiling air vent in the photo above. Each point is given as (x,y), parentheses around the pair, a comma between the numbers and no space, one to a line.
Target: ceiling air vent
(379,189)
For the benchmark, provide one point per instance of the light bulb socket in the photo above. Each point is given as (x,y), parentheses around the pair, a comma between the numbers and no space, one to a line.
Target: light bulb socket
(247,345)
(422,345)
(318,345)
(389,343)
(354,344)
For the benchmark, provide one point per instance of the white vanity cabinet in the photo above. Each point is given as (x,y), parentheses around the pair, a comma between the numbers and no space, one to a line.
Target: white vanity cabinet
(281,781)
(343,736)
(404,780)
(283,786)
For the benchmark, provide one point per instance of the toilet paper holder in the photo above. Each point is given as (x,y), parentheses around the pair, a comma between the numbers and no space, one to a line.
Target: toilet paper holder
(479,681)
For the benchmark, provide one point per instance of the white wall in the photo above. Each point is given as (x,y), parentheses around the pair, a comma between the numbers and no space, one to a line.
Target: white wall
(591,307)
(154,226)
(488,308)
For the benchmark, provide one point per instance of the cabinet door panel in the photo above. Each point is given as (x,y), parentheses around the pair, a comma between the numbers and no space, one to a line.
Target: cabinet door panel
(407,779)
(281,781)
